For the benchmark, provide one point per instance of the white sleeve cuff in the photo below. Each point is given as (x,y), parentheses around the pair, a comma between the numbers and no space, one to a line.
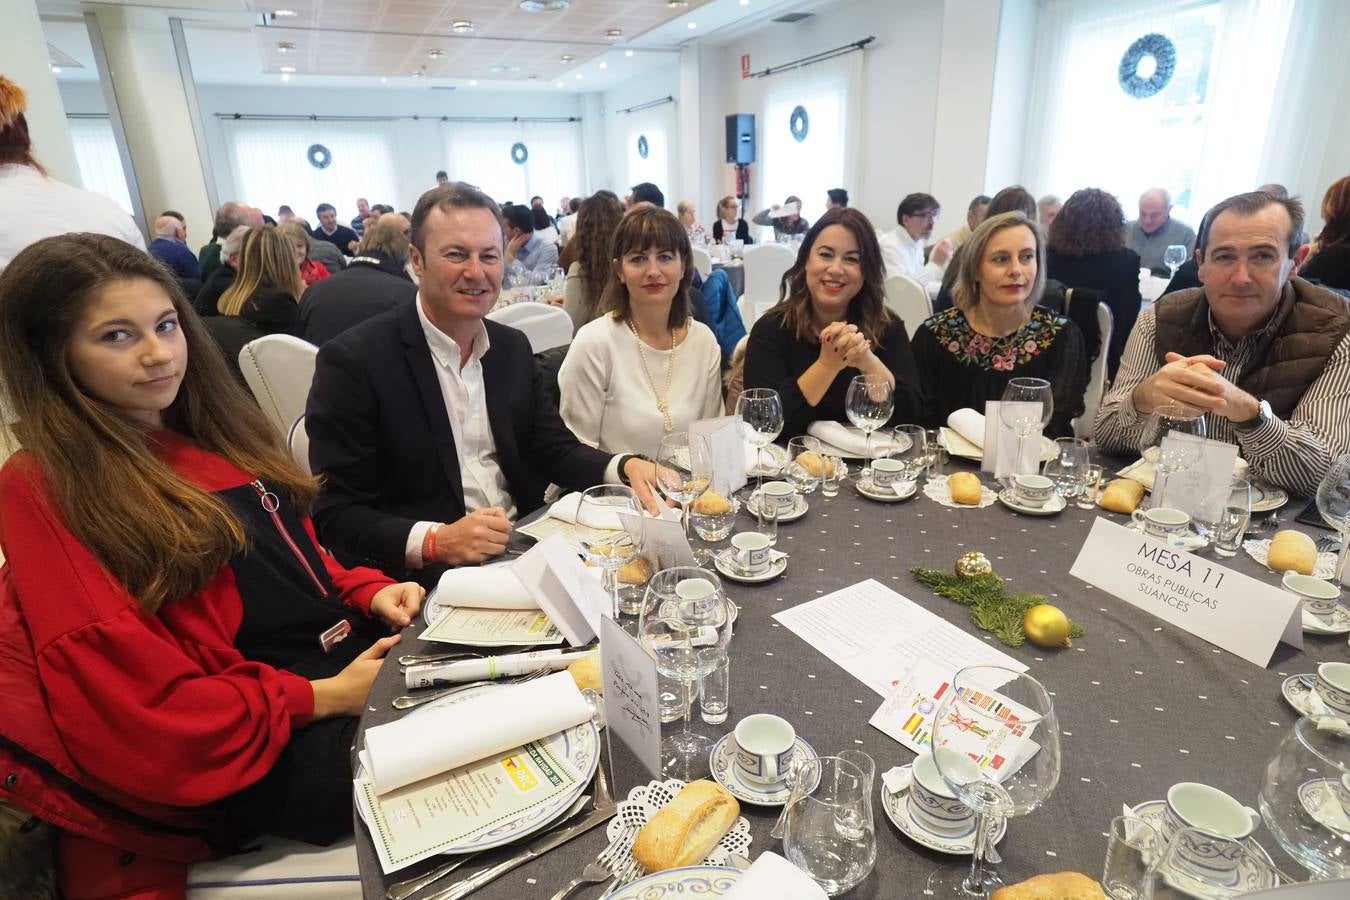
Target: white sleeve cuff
(612,474)
(412,551)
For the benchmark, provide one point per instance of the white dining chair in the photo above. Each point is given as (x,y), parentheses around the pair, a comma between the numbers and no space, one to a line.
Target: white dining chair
(764,268)
(907,299)
(279,869)
(702,261)
(279,370)
(546,326)
(298,442)
(1096,386)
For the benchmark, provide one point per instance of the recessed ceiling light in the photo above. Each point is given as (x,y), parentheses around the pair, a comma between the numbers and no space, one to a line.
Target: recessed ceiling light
(614,34)
(567,58)
(56,70)
(693,25)
(504,70)
(745,2)
(604,65)
(435,53)
(288,68)
(676,4)
(578,76)
(560,84)
(461,26)
(285,47)
(284,14)
(544,5)
(473,82)
(384,81)
(628,53)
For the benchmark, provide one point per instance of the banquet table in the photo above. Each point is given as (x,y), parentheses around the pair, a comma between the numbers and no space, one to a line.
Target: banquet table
(1142,705)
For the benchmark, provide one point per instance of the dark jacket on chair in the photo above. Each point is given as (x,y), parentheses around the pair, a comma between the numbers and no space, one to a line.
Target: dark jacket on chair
(371,284)
(269,311)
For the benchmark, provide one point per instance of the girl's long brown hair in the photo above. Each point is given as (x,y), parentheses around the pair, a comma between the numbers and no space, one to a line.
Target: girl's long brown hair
(266,260)
(597,220)
(154,531)
(867,309)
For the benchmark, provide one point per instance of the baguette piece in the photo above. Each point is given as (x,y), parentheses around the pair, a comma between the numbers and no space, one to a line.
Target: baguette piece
(1053,886)
(1292,551)
(684,831)
(1122,495)
(965,488)
(816,465)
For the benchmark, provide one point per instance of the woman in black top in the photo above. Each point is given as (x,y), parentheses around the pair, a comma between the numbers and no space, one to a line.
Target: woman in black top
(728,211)
(830,325)
(996,332)
(1087,250)
(1329,265)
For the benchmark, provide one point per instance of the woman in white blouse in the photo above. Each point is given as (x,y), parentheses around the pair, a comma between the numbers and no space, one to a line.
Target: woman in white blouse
(645,368)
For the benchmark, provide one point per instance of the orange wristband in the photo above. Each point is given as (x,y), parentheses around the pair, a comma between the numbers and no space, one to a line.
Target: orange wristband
(429,545)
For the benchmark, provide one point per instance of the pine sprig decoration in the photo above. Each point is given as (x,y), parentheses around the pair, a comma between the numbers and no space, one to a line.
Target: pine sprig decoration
(992,607)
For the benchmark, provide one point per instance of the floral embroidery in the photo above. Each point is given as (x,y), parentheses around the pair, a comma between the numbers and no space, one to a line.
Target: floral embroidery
(1004,354)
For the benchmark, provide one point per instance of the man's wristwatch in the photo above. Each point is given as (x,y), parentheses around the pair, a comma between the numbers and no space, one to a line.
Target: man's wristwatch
(1263,415)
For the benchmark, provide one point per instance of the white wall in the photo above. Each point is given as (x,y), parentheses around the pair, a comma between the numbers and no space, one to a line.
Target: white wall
(662,80)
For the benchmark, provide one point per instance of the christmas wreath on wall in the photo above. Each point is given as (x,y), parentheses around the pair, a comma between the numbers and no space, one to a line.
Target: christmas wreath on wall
(643,147)
(1156,47)
(519,153)
(319,156)
(799,124)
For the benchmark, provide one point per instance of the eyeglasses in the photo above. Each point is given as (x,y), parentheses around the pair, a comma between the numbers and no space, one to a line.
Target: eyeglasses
(926,214)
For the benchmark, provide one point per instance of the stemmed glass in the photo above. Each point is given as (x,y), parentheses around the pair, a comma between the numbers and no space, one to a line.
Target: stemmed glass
(1178,456)
(557,284)
(684,468)
(761,414)
(604,541)
(685,625)
(993,708)
(869,404)
(1024,420)
(1333,502)
(1174,257)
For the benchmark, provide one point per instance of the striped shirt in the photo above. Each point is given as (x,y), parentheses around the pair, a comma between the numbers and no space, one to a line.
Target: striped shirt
(1291,453)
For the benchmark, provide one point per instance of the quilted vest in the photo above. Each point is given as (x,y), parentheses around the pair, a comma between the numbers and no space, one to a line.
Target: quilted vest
(1310,323)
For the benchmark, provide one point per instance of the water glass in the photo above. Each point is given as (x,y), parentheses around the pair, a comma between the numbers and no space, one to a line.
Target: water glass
(1226,533)
(909,445)
(1132,845)
(715,693)
(833,477)
(766,523)
(869,403)
(1089,486)
(937,453)
(805,477)
(830,834)
(1066,478)
(714,527)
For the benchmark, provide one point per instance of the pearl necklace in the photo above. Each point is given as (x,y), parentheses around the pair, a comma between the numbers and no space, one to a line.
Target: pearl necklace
(662,400)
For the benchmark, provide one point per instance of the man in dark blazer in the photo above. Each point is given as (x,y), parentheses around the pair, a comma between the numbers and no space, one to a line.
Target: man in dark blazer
(372,283)
(430,424)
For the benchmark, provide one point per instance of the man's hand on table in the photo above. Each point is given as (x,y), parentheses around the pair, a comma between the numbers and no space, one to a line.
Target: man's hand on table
(473,538)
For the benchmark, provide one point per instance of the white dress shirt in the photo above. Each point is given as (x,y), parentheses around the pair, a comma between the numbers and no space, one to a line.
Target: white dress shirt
(904,256)
(37,207)
(566,228)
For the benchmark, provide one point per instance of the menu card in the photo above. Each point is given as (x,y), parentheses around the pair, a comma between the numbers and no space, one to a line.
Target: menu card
(662,541)
(492,627)
(1201,489)
(1000,443)
(728,452)
(632,694)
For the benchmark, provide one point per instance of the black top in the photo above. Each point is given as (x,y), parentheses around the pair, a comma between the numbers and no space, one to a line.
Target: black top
(269,311)
(1049,346)
(1330,267)
(340,238)
(217,283)
(775,358)
(1188,276)
(373,283)
(1117,273)
(742,231)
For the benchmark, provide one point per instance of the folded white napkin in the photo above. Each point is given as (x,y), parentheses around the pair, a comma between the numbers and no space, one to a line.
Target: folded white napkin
(773,876)
(417,747)
(969,424)
(566,508)
(1144,472)
(851,440)
(484,587)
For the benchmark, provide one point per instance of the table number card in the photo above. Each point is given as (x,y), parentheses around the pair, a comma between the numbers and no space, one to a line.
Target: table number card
(554,576)
(632,695)
(1000,444)
(1201,490)
(1246,617)
(728,452)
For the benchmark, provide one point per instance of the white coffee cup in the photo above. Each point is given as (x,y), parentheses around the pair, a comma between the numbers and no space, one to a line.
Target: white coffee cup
(752,550)
(1333,687)
(1162,521)
(931,800)
(780,493)
(1033,490)
(764,746)
(887,471)
(1194,805)
(1319,597)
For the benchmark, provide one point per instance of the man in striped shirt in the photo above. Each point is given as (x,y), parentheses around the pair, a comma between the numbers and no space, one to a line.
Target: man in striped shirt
(1263,353)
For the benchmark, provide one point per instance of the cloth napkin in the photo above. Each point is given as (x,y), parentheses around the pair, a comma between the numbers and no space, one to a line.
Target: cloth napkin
(852,441)
(417,747)
(484,587)
(1143,471)
(968,424)
(566,508)
(773,876)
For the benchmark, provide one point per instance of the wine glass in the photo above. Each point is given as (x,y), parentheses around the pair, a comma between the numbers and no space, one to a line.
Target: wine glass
(869,404)
(664,588)
(992,708)
(604,541)
(1016,413)
(761,414)
(1177,456)
(1174,257)
(1305,797)
(557,283)
(685,627)
(684,466)
(1333,502)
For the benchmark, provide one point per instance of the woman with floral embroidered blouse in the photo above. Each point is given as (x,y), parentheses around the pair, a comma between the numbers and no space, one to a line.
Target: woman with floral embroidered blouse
(995,331)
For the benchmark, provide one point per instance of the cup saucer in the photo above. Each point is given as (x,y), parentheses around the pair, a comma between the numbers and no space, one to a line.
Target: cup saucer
(798,508)
(885,494)
(729,568)
(1298,695)
(1250,877)
(960,843)
(1336,623)
(1055,504)
(722,762)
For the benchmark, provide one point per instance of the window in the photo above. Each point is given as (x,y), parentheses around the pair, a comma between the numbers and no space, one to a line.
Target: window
(481,154)
(656,125)
(100,163)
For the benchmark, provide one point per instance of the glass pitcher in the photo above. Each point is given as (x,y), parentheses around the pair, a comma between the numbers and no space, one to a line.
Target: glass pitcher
(830,834)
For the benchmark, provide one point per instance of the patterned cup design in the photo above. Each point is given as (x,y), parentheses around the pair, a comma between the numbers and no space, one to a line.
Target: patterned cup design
(1333,686)
(1193,805)
(931,801)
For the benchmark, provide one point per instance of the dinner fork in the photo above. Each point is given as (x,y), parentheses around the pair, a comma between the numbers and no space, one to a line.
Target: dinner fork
(408,701)
(605,865)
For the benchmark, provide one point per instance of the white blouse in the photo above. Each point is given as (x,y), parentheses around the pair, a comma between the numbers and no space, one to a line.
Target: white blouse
(608,401)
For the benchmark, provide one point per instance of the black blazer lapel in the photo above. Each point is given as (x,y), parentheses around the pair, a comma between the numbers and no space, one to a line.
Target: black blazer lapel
(498,388)
(423,368)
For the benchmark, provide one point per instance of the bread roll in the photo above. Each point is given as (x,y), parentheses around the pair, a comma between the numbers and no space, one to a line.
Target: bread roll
(711,503)
(586,673)
(965,488)
(815,464)
(636,572)
(1122,495)
(1054,886)
(1292,551)
(684,831)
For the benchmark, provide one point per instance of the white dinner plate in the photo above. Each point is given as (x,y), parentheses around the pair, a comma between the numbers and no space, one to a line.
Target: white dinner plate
(579,745)
(1266,498)
(857,432)
(769,461)
(680,884)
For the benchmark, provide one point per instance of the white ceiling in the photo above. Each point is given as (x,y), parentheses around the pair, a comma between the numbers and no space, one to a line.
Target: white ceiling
(379,43)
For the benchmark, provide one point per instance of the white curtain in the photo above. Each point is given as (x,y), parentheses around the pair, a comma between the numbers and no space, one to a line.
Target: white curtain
(100,163)
(271,165)
(657,126)
(1200,137)
(481,154)
(830,93)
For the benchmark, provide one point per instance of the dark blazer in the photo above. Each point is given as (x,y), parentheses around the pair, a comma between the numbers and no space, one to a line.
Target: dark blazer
(1116,273)
(369,285)
(380,435)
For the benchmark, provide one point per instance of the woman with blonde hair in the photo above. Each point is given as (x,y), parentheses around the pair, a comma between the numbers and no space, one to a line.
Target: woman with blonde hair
(264,298)
(311,270)
(645,368)
(995,331)
(729,223)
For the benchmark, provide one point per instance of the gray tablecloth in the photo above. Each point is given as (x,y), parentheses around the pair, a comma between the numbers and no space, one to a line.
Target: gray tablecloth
(1141,704)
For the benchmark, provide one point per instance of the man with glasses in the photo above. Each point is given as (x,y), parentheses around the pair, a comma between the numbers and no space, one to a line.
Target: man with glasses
(902,248)
(1265,354)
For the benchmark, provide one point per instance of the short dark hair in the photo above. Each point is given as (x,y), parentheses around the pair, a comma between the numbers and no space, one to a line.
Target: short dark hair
(540,218)
(451,195)
(175,214)
(574,205)
(441,174)
(838,196)
(518,217)
(914,204)
(1013,198)
(229,217)
(283,209)
(1249,204)
(323,208)
(975,204)
(536,197)
(649,193)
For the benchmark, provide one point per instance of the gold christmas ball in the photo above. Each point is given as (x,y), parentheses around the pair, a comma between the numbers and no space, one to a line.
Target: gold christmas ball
(974,563)
(1047,626)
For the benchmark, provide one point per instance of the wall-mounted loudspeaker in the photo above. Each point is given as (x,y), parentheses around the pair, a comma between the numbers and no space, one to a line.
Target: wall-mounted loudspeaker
(741,139)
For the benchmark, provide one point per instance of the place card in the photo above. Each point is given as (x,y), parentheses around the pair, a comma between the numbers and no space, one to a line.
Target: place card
(1242,615)
(492,627)
(728,451)
(574,601)
(662,541)
(1000,443)
(632,694)
(1200,490)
